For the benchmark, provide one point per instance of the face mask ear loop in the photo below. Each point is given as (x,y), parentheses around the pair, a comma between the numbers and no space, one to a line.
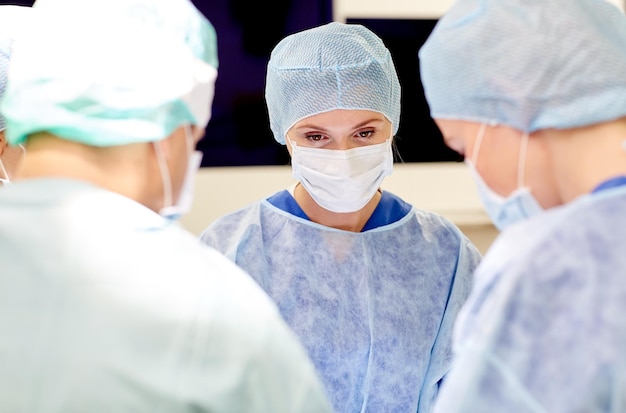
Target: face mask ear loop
(189,140)
(4,172)
(165,175)
(521,162)
(479,140)
(292,144)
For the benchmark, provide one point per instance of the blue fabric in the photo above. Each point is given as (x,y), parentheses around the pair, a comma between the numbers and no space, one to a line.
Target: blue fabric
(285,201)
(375,309)
(390,209)
(107,307)
(544,328)
(611,183)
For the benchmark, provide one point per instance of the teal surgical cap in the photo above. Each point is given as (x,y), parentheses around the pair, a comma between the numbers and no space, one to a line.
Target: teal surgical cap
(528,64)
(333,66)
(12,19)
(111,72)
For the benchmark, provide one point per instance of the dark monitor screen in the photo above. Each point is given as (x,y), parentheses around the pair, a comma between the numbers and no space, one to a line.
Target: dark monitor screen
(418,138)
(238,133)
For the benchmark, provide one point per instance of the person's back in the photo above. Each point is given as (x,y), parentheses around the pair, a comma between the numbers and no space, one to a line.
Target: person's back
(554,312)
(105,306)
(106,303)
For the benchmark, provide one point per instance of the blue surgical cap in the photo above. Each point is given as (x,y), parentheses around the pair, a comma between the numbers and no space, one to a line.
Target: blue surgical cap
(111,72)
(528,64)
(12,19)
(333,66)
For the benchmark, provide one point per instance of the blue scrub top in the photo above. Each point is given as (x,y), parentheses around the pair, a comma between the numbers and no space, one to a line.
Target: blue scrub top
(610,183)
(389,210)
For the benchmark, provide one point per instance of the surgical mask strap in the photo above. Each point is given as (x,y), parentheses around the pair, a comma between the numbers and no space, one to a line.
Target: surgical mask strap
(479,140)
(4,172)
(165,174)
(7,178)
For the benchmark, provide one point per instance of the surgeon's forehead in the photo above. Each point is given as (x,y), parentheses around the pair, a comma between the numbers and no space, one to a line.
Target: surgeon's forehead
(354,118)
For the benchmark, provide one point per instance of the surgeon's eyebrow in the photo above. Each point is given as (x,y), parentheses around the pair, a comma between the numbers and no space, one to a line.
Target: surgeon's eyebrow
(367,122)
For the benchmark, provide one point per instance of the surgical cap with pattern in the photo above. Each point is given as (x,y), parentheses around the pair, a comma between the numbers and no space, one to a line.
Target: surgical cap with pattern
(333,66)
(528,64)
(112,72)
(12,19)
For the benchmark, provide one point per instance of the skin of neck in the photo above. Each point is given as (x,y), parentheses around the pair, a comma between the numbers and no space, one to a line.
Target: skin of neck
(584,157)
(346,221)
(130,170)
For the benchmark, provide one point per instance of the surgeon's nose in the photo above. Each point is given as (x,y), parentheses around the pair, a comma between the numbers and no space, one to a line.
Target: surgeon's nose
(344,144)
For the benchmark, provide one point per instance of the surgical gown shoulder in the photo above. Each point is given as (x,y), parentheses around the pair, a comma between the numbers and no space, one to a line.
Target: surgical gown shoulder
(105,302)
(543,329)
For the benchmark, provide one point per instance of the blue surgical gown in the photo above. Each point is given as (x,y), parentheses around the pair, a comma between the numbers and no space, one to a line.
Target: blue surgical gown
(544,329)
(107,307)
(375,309)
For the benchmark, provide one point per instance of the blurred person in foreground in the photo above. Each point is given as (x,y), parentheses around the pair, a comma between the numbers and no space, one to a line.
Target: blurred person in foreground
(106,303)
(533,94)
(13,18)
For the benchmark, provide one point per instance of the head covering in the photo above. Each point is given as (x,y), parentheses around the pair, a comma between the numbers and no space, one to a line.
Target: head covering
(12,19)
(333,66)
(528,64)
(112,72)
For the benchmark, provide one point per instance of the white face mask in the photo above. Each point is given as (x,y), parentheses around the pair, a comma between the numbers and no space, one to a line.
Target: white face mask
(342,180)
(505,211)
(185,199)
(6,181)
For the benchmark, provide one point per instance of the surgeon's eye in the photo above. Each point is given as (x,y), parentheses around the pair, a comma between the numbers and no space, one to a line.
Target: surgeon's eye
(314,138)
(366,134)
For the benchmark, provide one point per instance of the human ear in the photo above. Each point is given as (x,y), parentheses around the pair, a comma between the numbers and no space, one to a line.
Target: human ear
(197,133)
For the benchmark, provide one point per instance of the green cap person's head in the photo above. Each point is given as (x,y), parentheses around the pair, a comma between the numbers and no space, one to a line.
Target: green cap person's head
(88,81)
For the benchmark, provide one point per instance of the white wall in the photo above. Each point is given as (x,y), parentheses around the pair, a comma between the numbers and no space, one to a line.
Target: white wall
(443,187)
(426,9)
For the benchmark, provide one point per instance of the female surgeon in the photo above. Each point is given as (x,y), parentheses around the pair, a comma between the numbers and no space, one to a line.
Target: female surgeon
(533,93)
(371,284)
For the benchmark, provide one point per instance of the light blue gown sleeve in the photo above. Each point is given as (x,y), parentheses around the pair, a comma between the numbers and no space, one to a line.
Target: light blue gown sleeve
(442,353)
